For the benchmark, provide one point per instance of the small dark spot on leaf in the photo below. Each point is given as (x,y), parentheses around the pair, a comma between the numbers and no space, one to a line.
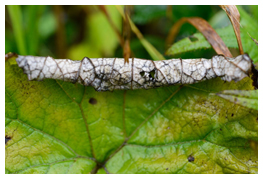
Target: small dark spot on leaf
(232,114)
(191,158)
(167,168)
(92,101)
(220,129)
(142,73)
(7,138)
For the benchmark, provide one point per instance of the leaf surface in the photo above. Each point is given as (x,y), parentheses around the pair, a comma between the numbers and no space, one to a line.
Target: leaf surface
(245,98)
(59,127)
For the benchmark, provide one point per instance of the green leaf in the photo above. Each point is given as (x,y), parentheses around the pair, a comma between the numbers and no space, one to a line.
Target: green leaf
(245,98)
(144,14)
(59,127)
(254,11)
(101,171)
(248,25)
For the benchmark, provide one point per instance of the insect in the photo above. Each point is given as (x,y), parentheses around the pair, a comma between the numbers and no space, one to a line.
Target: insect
(107,74)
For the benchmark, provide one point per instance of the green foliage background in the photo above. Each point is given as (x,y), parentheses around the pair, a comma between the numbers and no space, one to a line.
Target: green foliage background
(53,127)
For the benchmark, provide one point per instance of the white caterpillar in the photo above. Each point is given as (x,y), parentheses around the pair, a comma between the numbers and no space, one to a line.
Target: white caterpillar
(107,74)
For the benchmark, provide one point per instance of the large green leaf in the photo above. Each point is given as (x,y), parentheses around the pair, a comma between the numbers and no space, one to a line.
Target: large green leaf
(59,127)
(249,27)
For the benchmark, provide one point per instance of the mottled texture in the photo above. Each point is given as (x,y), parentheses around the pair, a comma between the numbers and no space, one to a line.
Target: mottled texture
(60,127)
(107,74)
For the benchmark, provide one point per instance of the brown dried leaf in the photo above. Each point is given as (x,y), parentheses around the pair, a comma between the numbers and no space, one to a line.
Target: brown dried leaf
(234,16)
(202,25)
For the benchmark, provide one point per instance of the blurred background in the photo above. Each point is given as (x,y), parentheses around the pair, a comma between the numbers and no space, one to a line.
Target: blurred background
(78,31)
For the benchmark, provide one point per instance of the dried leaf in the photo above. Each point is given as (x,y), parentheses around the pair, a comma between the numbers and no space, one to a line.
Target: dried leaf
(234,16)
(202,25)
(108,74)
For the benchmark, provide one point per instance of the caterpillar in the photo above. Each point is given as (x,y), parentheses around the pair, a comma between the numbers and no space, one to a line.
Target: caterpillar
(107,74)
